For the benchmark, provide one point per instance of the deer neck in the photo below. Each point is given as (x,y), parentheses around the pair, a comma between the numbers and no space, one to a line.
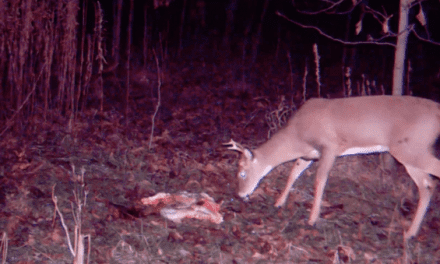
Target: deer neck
(279,149)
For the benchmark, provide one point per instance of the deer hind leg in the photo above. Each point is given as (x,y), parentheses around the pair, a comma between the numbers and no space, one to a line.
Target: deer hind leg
(325,164)
(299,166)
(426,187)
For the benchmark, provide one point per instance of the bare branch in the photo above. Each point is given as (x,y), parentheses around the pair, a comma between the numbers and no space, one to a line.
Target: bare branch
(66,229)
(332,5)
(9,122)
(372,41)
(4,247)
(159,85)
(411,28)
(414,3)
(383,19)
(376,14)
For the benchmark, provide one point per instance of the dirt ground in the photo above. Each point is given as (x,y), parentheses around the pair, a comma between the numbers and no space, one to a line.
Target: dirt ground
(367,203)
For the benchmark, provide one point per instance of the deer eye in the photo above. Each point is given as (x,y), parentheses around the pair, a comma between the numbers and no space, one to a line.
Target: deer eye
(242,174)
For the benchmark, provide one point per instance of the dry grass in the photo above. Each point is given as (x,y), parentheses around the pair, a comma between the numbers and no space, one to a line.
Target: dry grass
(38,47)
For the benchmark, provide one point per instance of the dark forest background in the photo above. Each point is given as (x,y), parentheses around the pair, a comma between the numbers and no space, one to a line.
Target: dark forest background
(60,54)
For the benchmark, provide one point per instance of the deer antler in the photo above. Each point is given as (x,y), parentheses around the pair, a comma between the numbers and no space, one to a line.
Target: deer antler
(234,146)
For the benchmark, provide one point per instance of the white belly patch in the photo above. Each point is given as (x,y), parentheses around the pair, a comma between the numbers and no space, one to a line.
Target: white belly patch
(364,150)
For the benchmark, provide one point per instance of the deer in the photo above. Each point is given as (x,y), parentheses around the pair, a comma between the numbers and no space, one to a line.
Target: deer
(323,129)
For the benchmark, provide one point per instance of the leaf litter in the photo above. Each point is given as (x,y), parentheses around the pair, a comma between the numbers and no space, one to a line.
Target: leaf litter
(365,207)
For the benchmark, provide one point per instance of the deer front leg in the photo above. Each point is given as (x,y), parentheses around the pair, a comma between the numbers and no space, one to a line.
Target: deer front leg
(325,164)
(299,166)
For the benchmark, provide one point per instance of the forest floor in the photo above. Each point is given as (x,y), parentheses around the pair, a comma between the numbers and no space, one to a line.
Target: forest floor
(365,210)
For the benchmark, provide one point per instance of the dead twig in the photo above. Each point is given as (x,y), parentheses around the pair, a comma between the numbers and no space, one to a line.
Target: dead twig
(159,84)
(372,41)
(9,122)
(4,247)
(80,194)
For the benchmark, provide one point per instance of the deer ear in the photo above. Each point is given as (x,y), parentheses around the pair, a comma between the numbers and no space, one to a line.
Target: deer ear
(248,154)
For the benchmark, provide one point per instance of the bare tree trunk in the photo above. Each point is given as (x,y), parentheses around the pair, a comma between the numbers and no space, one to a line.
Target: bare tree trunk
(117,14)
(345,51)
(182,26)
(70,49)
(49,47)
(246,34)
(229,27)
(145,39)
(127,64)
(23,50)
(400,52)
(100,52)
(88,69)
(81,63)
(256,42)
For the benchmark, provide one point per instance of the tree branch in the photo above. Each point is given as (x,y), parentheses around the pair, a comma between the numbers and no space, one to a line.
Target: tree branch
(411,28)
(332,6)
(373,41)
